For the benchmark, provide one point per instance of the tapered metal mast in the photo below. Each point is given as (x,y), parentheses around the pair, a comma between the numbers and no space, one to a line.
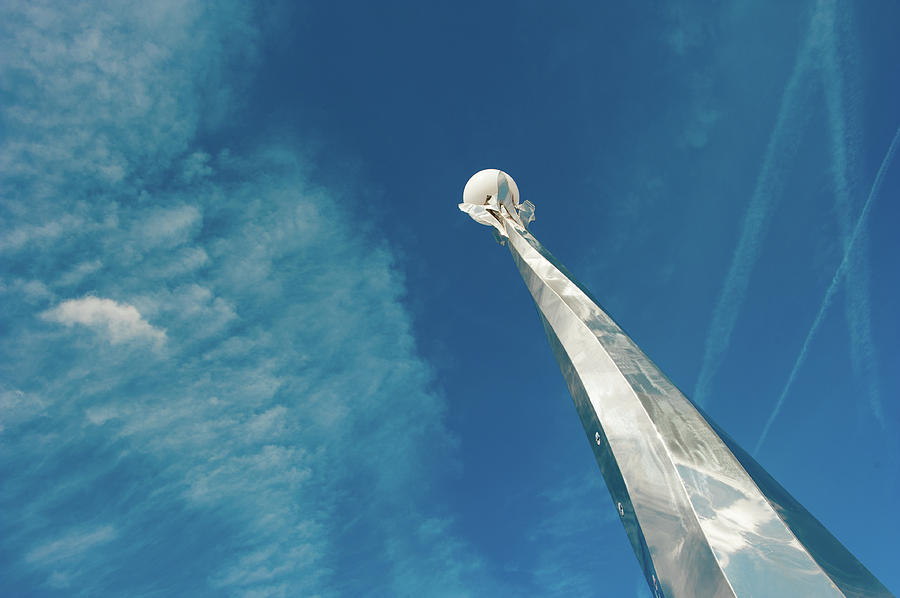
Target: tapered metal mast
(704,519)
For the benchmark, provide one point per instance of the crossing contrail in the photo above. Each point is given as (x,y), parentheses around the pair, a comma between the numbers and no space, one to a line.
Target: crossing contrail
(835,281)
(856,282)
(782,145)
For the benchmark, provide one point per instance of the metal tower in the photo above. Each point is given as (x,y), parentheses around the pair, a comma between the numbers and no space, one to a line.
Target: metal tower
(704,519)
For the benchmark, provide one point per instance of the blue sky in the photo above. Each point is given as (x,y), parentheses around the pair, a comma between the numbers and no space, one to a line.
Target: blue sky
(250,347)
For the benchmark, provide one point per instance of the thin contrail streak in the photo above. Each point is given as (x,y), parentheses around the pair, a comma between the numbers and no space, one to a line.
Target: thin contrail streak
(782,144)
(835,280)
(857,306)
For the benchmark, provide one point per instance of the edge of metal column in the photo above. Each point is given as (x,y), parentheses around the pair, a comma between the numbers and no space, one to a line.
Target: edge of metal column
(704,577)
(837,565)
(853,579)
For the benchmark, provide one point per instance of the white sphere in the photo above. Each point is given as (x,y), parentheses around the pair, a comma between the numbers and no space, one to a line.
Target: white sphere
(486,184)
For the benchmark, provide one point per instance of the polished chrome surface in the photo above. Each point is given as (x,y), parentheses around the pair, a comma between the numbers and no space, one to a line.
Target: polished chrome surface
(703,517)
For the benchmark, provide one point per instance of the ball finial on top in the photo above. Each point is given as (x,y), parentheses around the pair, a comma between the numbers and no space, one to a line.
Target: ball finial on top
(491,197)
(485,184)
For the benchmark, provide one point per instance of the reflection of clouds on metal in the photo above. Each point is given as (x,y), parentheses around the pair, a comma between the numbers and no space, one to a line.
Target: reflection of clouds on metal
(703,517)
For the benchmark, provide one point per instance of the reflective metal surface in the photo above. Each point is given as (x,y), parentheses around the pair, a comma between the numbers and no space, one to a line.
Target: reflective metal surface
(703,517)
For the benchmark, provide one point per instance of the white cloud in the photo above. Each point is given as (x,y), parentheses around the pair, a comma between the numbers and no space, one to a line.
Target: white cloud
(563,565)
(100,414)
(18,406)
(80,272)
(253,432)
(71,546)
(44,232)
(102,93)
(196,166)
(118,322)
(169,227)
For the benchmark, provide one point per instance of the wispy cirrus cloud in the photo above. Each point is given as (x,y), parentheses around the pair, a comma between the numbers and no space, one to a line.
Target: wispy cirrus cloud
(72,545)
(63,554)
(566,548)
(287,440)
